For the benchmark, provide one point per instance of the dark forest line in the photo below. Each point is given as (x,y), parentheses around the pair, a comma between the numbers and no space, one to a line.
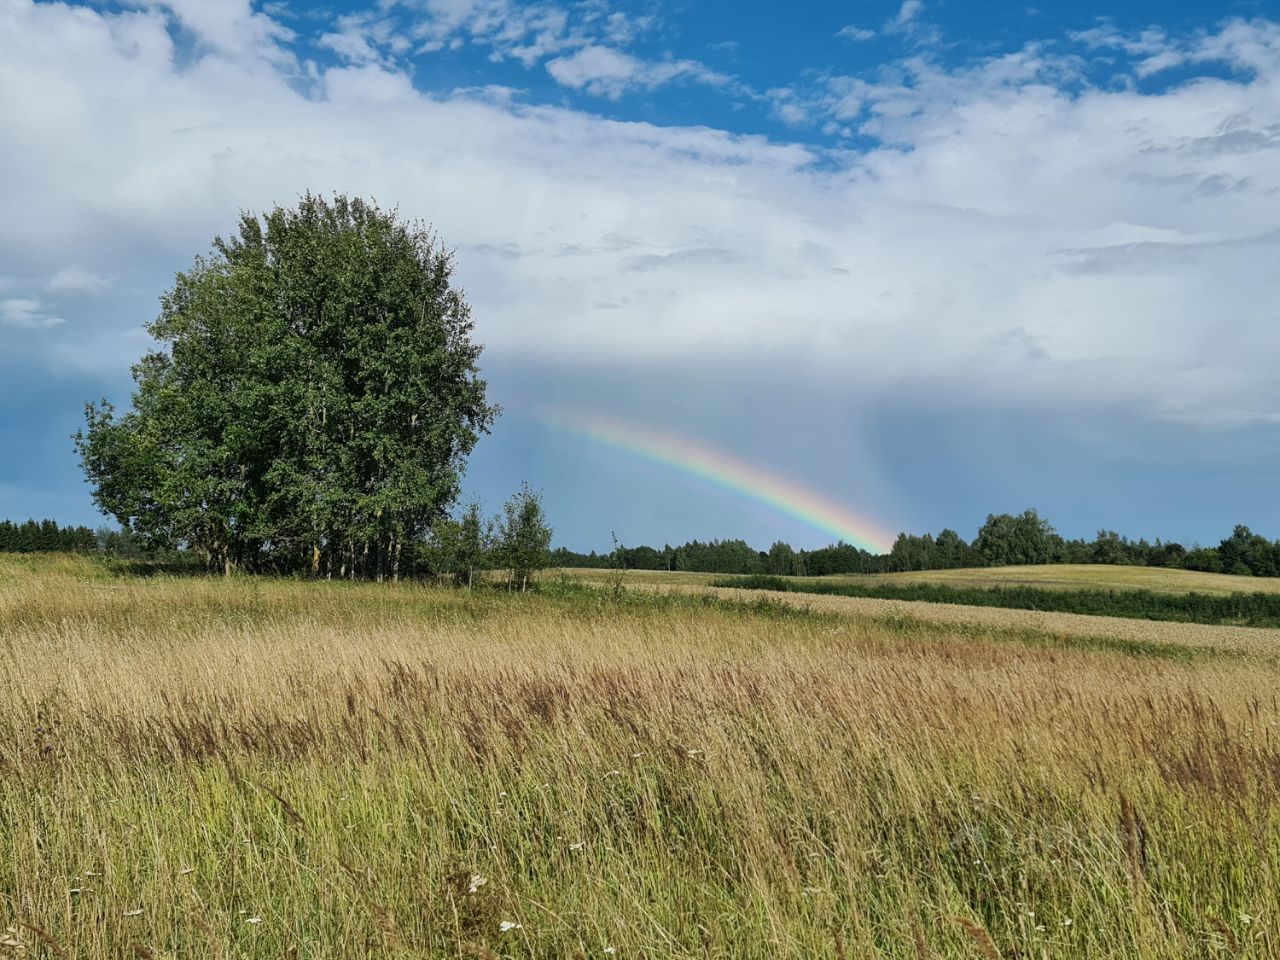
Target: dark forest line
(1003,540)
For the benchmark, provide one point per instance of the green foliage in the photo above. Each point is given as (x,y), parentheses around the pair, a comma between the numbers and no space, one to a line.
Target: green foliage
(313,401)
(719,556)
(524,536)
(459,548)
(1246,609)
(45,536)
(1006,540)
(783,560)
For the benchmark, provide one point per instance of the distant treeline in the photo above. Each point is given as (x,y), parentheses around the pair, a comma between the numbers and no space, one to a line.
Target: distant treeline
(46,536)
(1003,540)
(1245,609)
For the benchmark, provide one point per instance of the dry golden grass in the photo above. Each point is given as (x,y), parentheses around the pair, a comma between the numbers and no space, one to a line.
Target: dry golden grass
(198,768)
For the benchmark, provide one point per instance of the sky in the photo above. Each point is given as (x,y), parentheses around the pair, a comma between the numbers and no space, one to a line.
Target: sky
(921,260)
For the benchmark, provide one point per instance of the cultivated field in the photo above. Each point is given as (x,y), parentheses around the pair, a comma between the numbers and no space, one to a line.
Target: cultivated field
(1065,576)
(198,768)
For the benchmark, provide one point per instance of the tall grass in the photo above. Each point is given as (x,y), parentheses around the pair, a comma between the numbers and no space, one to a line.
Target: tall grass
(193,768)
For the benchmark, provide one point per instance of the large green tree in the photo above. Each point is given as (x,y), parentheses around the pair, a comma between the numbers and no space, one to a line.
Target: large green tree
(312,401)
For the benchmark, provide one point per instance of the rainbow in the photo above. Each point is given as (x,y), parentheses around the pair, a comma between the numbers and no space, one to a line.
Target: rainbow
(689,456)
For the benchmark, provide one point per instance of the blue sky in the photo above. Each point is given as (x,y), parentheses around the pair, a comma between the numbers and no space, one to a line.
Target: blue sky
(933,259)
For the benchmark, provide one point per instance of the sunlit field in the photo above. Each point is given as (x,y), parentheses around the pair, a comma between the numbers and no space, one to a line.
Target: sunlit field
(1064,576)
(258,768)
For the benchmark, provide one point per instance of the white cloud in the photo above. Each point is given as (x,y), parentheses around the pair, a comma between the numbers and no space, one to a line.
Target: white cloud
(1008,239)
(26,314)
(907,13)
(581,45)
(79,280)
(230,27)
(527,32)
(855,34)
(1251,46)
(605,72)
(909,23)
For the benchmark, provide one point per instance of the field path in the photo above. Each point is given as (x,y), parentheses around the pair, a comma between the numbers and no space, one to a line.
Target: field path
(1252,640)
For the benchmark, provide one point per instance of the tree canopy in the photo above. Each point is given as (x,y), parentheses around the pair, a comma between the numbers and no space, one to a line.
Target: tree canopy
(312,401)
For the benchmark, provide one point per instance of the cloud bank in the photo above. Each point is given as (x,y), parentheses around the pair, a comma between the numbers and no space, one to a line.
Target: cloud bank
(1006,229)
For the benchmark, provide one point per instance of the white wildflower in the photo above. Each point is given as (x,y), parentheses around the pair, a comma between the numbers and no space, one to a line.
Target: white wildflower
(477,882)
(610,950)
(508,925)
(1246,919)
(252,919)
(577,846)
(1067,922)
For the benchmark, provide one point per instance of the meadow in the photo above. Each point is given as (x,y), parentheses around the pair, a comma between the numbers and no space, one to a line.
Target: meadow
(1258,609)
(1055,576)
(268,768)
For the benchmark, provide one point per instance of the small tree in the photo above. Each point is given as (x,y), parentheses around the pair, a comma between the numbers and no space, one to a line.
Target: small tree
(460,547)
(524,536)
(475,540)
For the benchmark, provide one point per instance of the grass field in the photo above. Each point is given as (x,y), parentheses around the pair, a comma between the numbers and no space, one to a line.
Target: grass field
(1065,576)
(1256,609)
(256,768)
